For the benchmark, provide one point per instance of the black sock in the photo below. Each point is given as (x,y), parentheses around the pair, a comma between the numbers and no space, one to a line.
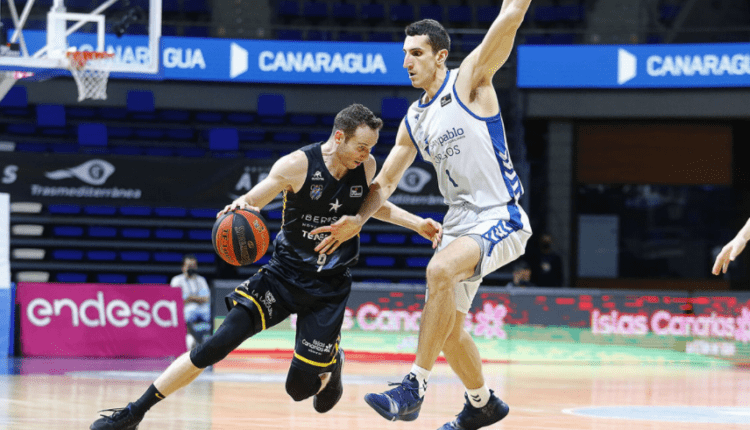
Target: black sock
(151,397)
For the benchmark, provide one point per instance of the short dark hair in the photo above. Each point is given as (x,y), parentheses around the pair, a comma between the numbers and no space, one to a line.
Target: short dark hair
(352,117)
(521,265)
(187,257)
(436,34)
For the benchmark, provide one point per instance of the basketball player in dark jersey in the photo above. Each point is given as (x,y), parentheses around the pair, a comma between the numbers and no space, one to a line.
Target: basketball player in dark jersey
(321,183)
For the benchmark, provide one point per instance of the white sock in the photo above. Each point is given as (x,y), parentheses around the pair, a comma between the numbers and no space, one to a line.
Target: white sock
(422,376)
(479,397)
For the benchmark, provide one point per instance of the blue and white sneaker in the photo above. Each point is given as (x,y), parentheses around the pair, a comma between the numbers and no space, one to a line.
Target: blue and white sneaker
(401,403)
(471,418)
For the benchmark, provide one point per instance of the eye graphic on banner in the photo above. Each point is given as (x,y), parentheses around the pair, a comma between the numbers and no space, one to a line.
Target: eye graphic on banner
(92,172)
(414,180)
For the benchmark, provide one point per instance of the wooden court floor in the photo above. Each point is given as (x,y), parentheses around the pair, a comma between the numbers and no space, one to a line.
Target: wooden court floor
(248,393)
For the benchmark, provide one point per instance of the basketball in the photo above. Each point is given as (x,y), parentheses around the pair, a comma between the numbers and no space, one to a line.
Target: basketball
(241,237)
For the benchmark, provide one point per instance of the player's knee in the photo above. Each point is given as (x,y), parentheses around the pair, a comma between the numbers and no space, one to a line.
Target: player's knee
(439,273)
(301,384)
(237,326)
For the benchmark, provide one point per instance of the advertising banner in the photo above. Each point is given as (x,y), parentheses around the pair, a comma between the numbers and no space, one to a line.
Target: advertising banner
(100,320)
(173,181)
(634,66)
(540,325)
(243,60)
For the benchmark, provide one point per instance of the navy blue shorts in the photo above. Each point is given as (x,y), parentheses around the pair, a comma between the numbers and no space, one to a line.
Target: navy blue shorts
(319,301)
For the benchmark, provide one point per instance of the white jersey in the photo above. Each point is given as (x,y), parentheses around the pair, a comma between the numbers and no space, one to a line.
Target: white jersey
(469,152)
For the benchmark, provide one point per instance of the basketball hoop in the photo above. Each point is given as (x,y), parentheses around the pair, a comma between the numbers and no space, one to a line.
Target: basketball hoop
(90,69)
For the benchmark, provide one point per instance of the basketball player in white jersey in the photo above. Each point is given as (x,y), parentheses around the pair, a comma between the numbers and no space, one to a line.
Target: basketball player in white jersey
(456,125)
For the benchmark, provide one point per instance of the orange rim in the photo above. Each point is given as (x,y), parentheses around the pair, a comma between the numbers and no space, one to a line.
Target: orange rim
(78,59)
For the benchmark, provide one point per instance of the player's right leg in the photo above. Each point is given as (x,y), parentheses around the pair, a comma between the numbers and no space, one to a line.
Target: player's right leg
(482,407)
(246,318)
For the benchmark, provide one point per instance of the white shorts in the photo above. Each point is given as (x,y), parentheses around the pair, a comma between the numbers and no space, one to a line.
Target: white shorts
(501,232)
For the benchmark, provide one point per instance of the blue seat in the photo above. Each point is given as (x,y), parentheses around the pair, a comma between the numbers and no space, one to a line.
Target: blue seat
(302,120)
(349,36)
(140,101)
(199,234)
(64,209)
(195,7)
(286,34)
(470,41)
(135,210)
(169,233)
(71,277)
(380,37)
(64,148)
(92,134)
(315,11)
(288,10)
(101,255)
(138,256)
(112,278)
(252,135)
(80,112)
(16,97)
(393,109)
(319,35)
(67,230)
(387,137)
(167,257)
(119,132)
(172,212)
(223,139)
(240,118)
(459,16)
(203,213)
(287,137)
(21,128)
(152,279)
(113,112)
(209,117)
(487,14)
(205,257)
(271,109)
(102,210)
(31,147)
(401,13)
(174,115)
(318,136)
(419,240)
(431,11)
(263,260)
(180,133)
(344,13)
(67,254)
(149,133)
(373,13)
(419,262)
(380,261)
(50,115)
(391,238)
(102,231)
(135,233)
(274,215)
(365,238)
(437,216)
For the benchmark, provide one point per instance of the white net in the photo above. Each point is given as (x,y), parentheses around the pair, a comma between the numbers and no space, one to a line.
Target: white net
(91,72)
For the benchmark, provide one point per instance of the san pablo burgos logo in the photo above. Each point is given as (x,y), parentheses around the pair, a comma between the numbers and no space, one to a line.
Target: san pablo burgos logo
(92,172)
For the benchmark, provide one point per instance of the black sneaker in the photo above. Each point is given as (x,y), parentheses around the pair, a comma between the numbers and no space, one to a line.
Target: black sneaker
(121,419)
(331,394)
(472,418)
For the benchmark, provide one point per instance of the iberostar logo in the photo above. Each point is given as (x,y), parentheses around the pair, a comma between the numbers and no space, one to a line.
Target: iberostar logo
(626,66)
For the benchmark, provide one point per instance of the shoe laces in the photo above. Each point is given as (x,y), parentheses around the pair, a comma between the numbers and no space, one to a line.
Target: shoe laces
(401,390)
(116,413)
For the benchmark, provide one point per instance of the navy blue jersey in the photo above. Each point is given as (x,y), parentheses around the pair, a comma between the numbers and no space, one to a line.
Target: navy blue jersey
(322,200)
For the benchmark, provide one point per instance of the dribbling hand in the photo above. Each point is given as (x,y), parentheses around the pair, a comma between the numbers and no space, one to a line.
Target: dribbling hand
(237,204)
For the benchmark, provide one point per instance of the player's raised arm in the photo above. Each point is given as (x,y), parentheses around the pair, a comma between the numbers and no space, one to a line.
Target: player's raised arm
(399,159)
(288,173)
(487,58)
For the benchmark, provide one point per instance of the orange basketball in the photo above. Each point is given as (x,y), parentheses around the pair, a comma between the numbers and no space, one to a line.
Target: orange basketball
(241,237)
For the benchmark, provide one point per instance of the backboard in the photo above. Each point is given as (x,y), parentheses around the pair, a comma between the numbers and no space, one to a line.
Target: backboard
(130,29)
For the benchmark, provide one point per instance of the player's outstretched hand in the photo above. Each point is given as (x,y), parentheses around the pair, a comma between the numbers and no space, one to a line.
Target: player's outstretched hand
(237,204)
(342,230)
(431,230)
(730,251)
